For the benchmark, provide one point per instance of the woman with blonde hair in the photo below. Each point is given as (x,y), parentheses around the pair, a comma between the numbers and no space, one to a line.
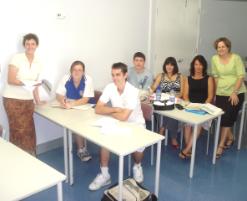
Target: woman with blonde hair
(228,72)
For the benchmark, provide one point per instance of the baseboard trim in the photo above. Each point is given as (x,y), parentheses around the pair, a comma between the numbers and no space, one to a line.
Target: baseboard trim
(47,146)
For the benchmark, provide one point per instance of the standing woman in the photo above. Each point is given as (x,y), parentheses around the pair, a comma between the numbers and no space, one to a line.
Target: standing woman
(73,90)
(198,88)
(228,72)
(170,80)
(18,101)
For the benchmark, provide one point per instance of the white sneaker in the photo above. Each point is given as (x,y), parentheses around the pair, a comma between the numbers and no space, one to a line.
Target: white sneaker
(99,181)
(138,173)
(84,155)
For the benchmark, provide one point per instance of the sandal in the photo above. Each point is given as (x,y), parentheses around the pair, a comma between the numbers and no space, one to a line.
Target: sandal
(219,154)
(175,146)
(229,143)
(183,156)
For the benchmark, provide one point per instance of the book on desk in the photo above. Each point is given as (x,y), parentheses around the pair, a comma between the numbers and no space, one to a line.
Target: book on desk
(203,108)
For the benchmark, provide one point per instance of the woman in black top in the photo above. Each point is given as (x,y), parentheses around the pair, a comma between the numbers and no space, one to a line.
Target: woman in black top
(199,88)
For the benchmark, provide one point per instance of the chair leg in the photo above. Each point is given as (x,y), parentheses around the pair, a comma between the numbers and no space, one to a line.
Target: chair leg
(181,137)
(85,143)
(166,137)
(129,164)
(152,146)
(208,140)
(241,125)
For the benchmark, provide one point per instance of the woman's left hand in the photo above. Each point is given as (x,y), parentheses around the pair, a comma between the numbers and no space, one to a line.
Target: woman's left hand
(234,99)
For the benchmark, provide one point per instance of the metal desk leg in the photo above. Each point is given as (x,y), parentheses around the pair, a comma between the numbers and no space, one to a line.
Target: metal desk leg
(59,192)
(152,147)
(71,172)
(157,172)
(192,161)
(65,149)
(120,178)
(216,138)
(241,126)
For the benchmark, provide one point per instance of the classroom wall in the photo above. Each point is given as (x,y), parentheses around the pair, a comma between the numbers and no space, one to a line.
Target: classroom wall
(98,32)
(223,18)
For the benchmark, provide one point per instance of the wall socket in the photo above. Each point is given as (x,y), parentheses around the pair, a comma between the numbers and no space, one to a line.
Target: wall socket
(60,16)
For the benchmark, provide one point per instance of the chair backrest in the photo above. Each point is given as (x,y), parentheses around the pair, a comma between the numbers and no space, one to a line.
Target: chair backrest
(147,110)
(97,95)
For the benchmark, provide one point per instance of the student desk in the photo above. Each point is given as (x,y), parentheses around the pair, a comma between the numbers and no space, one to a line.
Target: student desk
(22,175)
(81,122)
(195,120)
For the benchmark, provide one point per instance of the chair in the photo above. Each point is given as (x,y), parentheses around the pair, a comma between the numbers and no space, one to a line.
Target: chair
(97,95)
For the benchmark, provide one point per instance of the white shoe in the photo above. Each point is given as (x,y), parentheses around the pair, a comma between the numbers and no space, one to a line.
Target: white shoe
(84,155)
(99,181)
(138,173)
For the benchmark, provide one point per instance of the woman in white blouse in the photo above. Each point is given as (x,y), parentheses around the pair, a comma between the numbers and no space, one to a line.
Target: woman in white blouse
(18,99)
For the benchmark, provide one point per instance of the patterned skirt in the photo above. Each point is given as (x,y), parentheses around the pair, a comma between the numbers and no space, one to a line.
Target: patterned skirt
(21,123)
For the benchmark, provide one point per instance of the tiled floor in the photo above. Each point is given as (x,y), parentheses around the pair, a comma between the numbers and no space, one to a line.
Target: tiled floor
(225,181)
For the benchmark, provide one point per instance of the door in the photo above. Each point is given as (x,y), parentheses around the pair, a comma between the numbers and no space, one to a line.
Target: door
(176,32)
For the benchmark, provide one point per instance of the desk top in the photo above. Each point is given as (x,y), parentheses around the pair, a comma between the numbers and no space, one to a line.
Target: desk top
(22,175)
(81,122)
(187,117)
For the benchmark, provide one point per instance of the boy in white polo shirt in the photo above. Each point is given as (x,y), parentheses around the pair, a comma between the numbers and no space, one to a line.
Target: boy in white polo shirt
(126,106)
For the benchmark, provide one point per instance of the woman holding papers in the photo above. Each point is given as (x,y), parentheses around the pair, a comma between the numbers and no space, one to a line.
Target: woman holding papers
(228,72)
(198,89)
(76,89)
(170,80)
(18,99)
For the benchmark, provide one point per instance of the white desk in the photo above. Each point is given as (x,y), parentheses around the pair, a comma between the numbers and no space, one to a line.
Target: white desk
(80,122)
(22,175)
(195,120)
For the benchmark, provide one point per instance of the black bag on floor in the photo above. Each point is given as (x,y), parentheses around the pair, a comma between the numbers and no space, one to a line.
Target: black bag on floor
(132,191)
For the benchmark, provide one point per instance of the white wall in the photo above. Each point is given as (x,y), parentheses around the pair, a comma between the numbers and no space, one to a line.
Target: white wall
(98,32)
(175,34)
(223,18)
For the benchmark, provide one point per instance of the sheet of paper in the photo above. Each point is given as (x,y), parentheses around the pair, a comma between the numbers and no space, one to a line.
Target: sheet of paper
(116,130)
(29,85)
(55,104)
(79,107)
(105,121)
(82,107)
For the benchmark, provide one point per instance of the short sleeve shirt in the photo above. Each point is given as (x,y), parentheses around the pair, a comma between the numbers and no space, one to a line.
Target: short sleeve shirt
(228,74)
(129,99)
(25,73)
(88,91)
(140,80)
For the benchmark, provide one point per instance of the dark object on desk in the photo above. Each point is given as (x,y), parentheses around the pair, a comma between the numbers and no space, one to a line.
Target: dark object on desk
(158,105)
(179,107)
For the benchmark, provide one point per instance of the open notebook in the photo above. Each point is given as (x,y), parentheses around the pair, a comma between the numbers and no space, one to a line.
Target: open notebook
(200,108)
(78,107)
